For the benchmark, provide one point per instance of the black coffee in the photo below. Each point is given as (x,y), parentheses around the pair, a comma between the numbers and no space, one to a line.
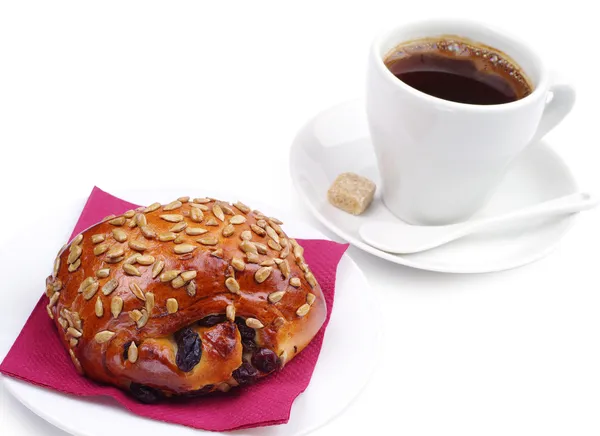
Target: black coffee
(456,70)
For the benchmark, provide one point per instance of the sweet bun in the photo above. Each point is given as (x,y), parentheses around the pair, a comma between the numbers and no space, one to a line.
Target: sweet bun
(183,299)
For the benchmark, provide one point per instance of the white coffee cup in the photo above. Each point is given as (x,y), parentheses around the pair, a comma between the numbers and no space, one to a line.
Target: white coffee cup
(440,160)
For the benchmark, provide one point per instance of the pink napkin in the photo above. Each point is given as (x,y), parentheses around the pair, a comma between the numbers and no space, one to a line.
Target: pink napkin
(37,356)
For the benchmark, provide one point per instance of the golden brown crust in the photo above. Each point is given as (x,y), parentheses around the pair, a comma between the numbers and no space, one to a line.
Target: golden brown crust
(122,289)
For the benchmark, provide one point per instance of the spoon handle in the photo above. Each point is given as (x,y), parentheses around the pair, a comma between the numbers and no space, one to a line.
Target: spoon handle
(563,205)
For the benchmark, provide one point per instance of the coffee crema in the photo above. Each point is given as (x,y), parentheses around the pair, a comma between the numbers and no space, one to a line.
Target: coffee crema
(454,69)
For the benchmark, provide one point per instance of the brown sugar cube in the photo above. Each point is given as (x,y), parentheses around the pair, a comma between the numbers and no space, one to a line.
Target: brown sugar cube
(351,193)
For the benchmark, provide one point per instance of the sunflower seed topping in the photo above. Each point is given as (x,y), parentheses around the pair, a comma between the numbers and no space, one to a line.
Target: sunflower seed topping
(132,259)
(172,218)
(180,239)
(238,264)
(209,240)
(115,252)
(119,235)
(263,274)
(152,207)
(267,262)
(248,247)
(148,232)
(310,299)
(218,212)
(217,253)
(74,266)
(74,332)
(285,268)
(167,276)
(256,229)
(108,217)
(157,268)
(100,249)
(75,253)
(77,239)
(119,221)
(96,239)
(116,306)
(277,261)
(285,252)
(99,309)
(131,223)
(104,336)
(201,200)
(145,260)
(149,301)
(167,236)
(90,290)
(274,245)
(310,278)
(135,315)
(230,312)
(137,291)
(202,207)
(211,222)
(303,310)
(246,235)
(262,248)
(196,215)
(252,258)
(137,245)
(177,283)
(178,227)
(190,289)
(132,353)
(295,282)
(115,260)
(262,224)
(131,270)
(76,362)
(241,207)
(253,323)
(228,230)
(275,220)
(103,273)
(172,305)
(110,286)
(188,275)
(53,299)
(130,213)
(237,219)
(172,205)
(232,285)
(276,296)
(272,234)
(140,220)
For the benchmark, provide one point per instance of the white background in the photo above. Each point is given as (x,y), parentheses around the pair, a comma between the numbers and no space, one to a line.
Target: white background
(205,94)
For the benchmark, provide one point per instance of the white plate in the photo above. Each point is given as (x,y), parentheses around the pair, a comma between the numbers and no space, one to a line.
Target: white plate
(337,380)
(337,140)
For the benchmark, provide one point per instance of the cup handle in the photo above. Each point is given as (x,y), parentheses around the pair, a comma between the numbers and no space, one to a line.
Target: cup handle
(557,107)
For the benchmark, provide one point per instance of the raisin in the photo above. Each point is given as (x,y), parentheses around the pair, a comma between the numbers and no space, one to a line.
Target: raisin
(248,345)
(199,392)
(145,394)
(265,360)
(245,331)
(212,320)
(245,374)
(189,349)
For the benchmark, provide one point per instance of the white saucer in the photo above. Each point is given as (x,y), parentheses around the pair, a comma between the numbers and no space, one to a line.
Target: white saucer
(337,140)
(327,396)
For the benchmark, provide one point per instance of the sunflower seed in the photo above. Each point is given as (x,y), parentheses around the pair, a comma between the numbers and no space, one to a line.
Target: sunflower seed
(148,232)
(144,319)
(218,212)
(137,245)
(145,260)
(77,239)
(246,235)
(172,305)
(74,254)
(238,264)
(272,234)
(195,231)
(54,299)
(277,229)
(132,259)
(237,219)
(99,309)
(232,285)
(285,252)
(211,222)
(131,224)
(184,248)
(90,290)
(227,210)
(115,260)
(116,306)
(263,274)
(310,299)
(130,213)
(172,218)
(63,322)
(119,235)
(278,322)
(172,205)
(119,221)
(100,249)
(310,278)
(262,248)
(76,362)
(259,214)
(202,207)
(276,296)
(201,200)
(179,239)
(188,275)
(110,286)
(167,236)
(267,262)
(137,291)
(277,261)
(190,289)
(115,252)
(241,207)
(85,283)
(230,312)
(152,207)
(257,230)
(96,239)
(252,258)
(132,353)
(73,342)
(103,273)
(149,301)
(74,266)
(209,240)
(196,215)
(274,245)
(74,332)
(303,266)
(157,268)
(283,242)
(108,217)
(285,268)
(262,224)
(104,336)
(224,387)
(177,283)
(275,220)
(184,199)
(167,276)
(253,323)
(135,315)
(298,251)
(76,320)
(283,358)
(228,230)
(248,247)
(141,220)
(295,282)
(131,270)
(178,227)
(303,310)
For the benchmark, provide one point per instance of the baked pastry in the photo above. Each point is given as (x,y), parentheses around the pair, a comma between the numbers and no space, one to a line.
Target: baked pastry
(185,298)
